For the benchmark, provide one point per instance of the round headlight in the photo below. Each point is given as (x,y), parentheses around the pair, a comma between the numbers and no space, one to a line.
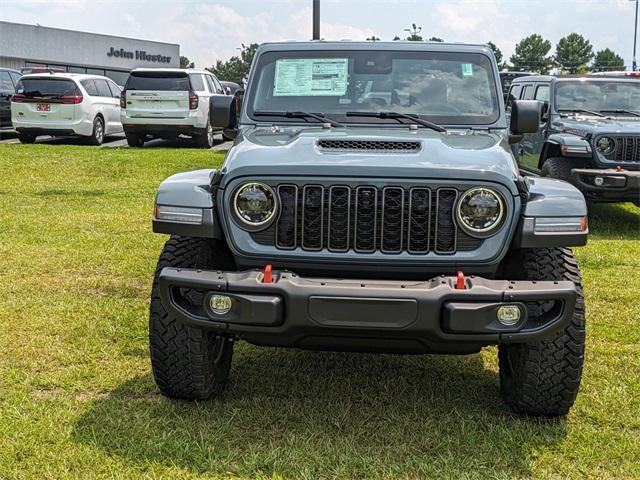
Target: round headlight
(606,145)
(480,211)
(255,204)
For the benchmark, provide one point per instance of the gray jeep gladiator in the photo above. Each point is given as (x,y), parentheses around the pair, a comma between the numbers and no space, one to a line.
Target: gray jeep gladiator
(371,202)
(589,134)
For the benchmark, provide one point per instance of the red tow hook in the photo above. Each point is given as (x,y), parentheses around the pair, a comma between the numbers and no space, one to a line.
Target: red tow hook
(460,281)
(267,276)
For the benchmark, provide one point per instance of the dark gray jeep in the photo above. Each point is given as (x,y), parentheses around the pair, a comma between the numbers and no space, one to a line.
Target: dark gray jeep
(371,202)
(589,134)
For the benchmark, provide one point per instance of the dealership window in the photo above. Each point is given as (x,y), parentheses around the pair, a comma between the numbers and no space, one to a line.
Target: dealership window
(95,71)
(117,76)
(76,70)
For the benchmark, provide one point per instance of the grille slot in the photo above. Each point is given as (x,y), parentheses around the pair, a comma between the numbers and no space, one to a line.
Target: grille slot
(286,227)
(627,150)
(392,220)
(419,216)
(370,145)
(312,217)
(339,217)
(366,219)
(446,231)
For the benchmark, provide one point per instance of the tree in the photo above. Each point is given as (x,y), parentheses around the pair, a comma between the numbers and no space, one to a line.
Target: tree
(496,51)
(373,38)
(186,63)
(396,38)
(414,33)
(607,60)
(531,54)
(436,39)
(573,53)
(236,68)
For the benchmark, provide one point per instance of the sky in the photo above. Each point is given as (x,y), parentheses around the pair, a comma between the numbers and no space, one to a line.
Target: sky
(209,30)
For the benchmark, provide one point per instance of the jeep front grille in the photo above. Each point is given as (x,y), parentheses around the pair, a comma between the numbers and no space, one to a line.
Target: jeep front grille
(627,150)
(366,219)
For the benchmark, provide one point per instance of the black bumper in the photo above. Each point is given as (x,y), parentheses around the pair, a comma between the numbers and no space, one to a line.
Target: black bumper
(54,132)
(372,315)
(608,185)
(164,131)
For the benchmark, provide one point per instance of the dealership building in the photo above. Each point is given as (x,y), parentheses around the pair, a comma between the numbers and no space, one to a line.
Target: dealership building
(81,52)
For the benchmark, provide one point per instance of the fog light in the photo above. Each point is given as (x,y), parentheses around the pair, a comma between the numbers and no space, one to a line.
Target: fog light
(508,315)
(599,181)
(220,304)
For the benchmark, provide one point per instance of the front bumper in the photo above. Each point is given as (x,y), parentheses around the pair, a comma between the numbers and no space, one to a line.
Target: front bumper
(608,185)
(367,315)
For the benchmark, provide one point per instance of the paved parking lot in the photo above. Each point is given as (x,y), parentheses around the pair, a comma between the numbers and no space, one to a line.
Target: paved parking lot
(10,136)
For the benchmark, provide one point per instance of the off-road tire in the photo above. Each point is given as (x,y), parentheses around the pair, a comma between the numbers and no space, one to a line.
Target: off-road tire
(206,140)
(188,363)
(26,138)
(560,167)
(543,378)
(97,135)
(134,140)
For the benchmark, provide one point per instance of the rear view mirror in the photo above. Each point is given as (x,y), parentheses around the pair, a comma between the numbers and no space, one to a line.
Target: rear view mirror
(525,116)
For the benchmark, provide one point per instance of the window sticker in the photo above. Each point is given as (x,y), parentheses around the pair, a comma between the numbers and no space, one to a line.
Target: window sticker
(467,69)
(298,77)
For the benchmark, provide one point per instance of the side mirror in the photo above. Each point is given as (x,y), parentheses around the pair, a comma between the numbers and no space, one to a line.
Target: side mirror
(227,91)
(222,112)
(525,116)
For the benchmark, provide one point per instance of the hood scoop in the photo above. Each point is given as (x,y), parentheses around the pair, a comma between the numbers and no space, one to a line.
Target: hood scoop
(369,145)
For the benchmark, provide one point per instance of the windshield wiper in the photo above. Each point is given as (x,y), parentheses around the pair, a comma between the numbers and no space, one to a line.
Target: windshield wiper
(621,110)
(317,116)
(398,116)
(581,110)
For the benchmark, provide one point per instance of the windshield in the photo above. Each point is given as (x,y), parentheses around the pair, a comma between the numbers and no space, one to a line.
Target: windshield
(447,88)
(598,96)
(47,87)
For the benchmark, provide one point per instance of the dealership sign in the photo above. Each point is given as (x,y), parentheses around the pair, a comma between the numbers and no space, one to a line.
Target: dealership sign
(138,55)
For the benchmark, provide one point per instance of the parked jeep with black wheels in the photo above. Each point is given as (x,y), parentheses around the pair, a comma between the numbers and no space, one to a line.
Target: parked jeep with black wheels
(371,203)
(589,134)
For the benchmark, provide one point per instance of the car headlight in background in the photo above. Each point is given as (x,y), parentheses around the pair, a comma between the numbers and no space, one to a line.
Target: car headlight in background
(480,211)
(606,145)
(254,205)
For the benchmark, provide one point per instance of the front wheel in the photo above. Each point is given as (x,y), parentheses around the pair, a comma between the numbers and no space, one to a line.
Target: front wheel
(543,378)
(188,363)
(560,168)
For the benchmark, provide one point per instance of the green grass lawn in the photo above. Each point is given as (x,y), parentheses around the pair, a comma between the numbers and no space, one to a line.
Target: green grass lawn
(77,399)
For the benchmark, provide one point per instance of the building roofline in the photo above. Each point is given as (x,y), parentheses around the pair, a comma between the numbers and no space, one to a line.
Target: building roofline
(90,33)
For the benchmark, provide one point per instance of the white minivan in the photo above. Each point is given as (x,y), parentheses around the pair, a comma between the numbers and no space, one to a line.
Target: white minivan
(167,103)
(66,104)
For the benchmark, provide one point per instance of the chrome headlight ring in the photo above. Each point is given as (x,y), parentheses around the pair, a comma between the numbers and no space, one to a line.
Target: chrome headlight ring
(489,211)
(254,206)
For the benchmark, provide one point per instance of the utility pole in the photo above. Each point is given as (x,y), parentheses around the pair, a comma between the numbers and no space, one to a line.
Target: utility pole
(635,38)
(316,20)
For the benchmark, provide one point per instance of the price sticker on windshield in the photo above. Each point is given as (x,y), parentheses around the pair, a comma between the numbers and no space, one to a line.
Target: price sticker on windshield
(467,69)
(303,77)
